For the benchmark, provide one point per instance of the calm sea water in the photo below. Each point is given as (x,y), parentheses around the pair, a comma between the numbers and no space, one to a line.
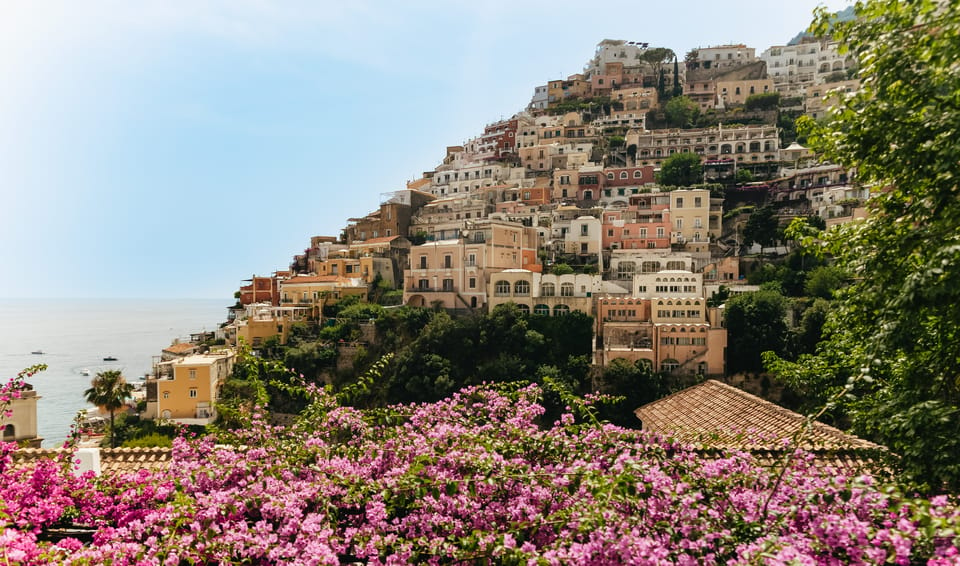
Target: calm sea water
(77,334)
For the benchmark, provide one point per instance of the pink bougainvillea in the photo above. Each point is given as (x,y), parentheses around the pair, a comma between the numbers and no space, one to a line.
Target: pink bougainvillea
(474,478)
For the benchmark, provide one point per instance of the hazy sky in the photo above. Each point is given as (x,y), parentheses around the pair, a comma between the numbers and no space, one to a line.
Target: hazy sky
(174,148)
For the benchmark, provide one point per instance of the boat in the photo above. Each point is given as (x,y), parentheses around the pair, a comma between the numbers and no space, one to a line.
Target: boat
(84,371)
(109,359)
(38,352)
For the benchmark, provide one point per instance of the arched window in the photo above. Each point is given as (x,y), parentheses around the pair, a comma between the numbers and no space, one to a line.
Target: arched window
(566,289)
(638,174)
(561,310)
(548,290)
(502,289)
(521,288)
(542,310)
(623,174)
(9,433)
(626,269)
(525,309)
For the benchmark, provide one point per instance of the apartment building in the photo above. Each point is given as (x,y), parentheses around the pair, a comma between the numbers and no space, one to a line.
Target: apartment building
(188,393)
(746,144)
(666,321)
(544,294)
(453,273)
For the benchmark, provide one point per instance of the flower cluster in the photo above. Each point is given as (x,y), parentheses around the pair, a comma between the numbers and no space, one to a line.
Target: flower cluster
(474,478)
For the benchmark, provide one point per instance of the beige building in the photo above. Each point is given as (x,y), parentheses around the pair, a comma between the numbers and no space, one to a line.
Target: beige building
(737,91)
(544,294)
(189,392)
(261,321)
(20,425)
(453,273)
(696,219)
(742,144)
(666,322)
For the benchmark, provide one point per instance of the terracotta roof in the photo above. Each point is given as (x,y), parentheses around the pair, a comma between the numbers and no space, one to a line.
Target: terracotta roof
(716,415)
(311,279)
(418,183)
(180,348)
(113,461)
(381,240)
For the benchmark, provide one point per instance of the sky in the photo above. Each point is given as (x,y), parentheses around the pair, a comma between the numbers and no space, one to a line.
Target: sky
(171,149)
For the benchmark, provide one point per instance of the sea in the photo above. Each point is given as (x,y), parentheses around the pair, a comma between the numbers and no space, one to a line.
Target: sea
(76,334)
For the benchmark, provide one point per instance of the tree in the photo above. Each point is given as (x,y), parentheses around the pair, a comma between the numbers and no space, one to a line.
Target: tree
(109,391)
(681,170)
(893,341)
(763,227)
(657,57)
(681,112)
(677,89)
(762,101)
(755,324)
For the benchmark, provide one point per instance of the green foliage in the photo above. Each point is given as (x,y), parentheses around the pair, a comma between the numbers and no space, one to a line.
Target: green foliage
(681,112)
(893,339)
(561,269)
(763,227)
(635,383)
(154,439)
(823,281)
(744,175)
(681,170)
(755,324)
(763,101)
(109,391)
(310,359)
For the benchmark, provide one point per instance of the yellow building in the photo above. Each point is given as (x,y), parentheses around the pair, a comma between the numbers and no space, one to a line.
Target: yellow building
(20,425)
(188,393)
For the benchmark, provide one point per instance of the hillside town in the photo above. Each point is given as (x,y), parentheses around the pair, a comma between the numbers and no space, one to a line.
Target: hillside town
(570,206)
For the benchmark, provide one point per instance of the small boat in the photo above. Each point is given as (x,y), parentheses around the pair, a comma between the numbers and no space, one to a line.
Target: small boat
(84,371)
(38,352)
(109,359)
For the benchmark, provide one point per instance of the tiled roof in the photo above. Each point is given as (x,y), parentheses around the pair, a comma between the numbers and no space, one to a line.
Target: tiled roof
(113,461)
(380,240)
(716,415)
(180,348)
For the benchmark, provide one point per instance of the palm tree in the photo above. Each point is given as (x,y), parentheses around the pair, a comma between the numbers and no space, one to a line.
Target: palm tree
(109,391)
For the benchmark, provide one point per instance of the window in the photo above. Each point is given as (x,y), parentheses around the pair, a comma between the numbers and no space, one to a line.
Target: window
(423,284)
(626,269)
(521,288)
(584,230)
(502,289)
(623,174)
(679,223)
(542,310)
(561,310)
(193,392)
(610,176)
(423,262)
(472,282)
(566,289)
(637,174)
(660,232)
(448,261)
(548,290)
(193,374)
(679,202)
(448,284)
(166,394)
(471,260)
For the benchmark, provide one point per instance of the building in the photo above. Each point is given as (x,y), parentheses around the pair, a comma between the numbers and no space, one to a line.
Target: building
(188,393)
(544,294)
(665,321)
(738,144)
(20,425)
(453,273)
